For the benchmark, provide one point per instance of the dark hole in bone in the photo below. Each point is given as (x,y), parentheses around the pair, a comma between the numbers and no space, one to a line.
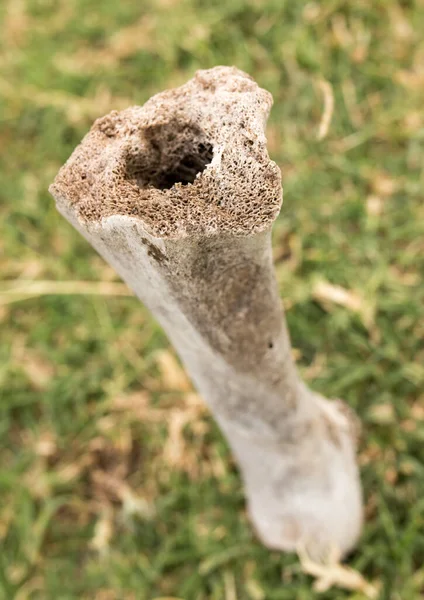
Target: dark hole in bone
(186,170)
(173,153)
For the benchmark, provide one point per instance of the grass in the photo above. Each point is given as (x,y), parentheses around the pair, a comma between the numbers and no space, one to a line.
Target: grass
(114,481)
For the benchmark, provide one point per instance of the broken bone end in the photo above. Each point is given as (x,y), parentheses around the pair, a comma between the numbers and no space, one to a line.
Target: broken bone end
(191,161)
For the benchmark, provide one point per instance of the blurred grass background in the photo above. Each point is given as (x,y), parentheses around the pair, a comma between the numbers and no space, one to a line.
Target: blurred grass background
(114,481)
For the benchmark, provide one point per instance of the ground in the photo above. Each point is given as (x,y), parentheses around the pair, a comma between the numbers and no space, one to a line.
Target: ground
(115,483)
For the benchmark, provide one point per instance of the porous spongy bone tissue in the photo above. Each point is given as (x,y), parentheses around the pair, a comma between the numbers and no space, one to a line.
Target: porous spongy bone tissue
(192,160)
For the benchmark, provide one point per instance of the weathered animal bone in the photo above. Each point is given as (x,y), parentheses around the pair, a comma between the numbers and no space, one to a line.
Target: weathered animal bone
(179,196)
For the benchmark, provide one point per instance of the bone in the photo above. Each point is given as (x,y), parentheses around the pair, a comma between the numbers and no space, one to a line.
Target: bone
(179,196)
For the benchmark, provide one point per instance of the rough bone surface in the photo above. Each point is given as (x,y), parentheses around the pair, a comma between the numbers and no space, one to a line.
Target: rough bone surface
(140,162)
(179,196)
